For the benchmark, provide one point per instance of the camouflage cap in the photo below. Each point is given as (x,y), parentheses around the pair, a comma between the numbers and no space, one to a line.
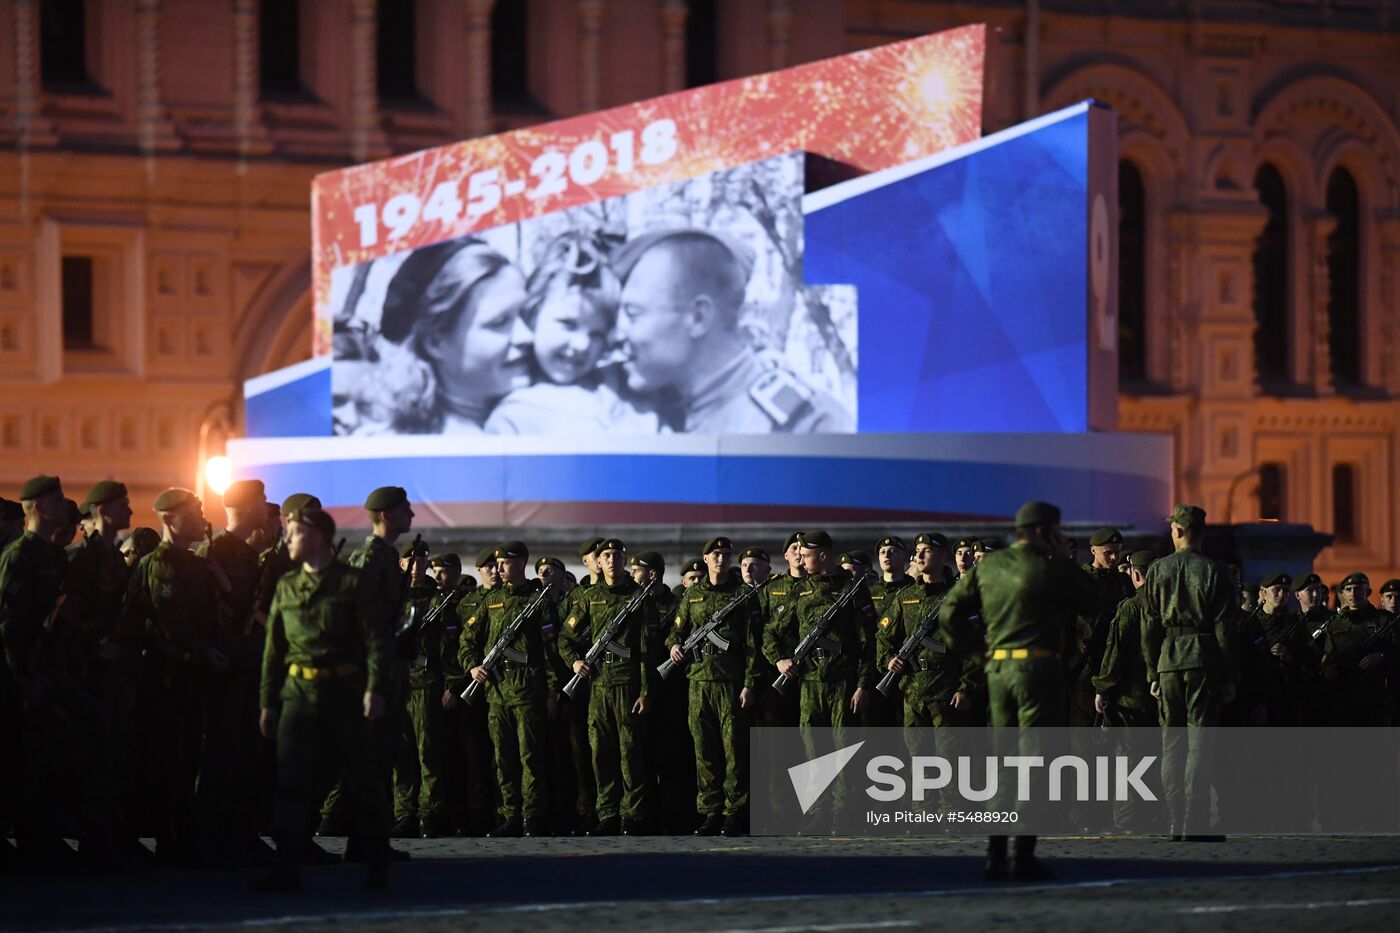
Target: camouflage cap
(108,490)
(1106,536)
(1141,559)
(512,549)
(1355,579)
(1304,582)
(316,518)
(716,543)
(1276,578)
(757,553)
(1037,513)
(244,493)
(385,498)
(298,501)
(486,557)
(38,487)
(892,541)
(1390,586)
(1187,516)
(174,498)
(10,511)
(589,547)
(814,539)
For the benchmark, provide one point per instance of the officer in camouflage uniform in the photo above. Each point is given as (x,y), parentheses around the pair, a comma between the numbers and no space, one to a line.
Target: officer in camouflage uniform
(621,691)
(1027,597)
(325,671)
(939,688)
(1188,606)
(835,684)
(574,712)
(233,704)
(473,794)
(1121,692)
(964,555)
(892,554)
(174,596)
(722,686)
(521,696)
(429,700)
(1357,670)
(32,675)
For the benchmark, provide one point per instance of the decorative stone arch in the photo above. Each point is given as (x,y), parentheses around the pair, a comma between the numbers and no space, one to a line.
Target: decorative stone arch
(1287,154)
(276,330)
(1153,135)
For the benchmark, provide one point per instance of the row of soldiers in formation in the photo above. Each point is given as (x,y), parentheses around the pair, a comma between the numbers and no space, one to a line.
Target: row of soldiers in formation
(197,687)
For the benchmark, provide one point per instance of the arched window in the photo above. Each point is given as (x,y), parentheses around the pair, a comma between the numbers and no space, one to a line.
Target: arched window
(396,45)
(1132,274)
(701,43)
(1344,502)
(510,67)
(1271,336)
(1272,477)
(63,55)
(279,48)
(1343,279)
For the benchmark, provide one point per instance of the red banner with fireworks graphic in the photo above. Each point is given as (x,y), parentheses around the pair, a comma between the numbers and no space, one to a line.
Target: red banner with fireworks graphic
(868,110)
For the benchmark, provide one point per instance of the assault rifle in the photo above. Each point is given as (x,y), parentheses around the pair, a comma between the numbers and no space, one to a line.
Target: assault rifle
(502,650)
(606,642)
(920,639)
(709,631)
(816,637)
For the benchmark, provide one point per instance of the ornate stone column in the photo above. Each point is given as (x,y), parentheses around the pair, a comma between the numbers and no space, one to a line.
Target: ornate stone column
(590,51)
(673,14)
(478,53)
(1388,305)
(1317,328)
(780,20)
(364,79)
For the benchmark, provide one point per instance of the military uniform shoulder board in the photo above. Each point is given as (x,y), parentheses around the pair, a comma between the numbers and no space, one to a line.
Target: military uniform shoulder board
(780,396)
(495,605)
(911,602)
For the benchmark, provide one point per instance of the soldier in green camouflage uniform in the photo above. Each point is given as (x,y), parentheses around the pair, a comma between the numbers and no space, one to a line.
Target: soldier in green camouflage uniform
(1188,604)
(473,794)
(325,671)
(1358,672)
(574,712)
(32,680)
(621,691)
(173,596)
(672,760)
(522,695)
(722,685)
(1027,597)
(892,555)
(1121,692)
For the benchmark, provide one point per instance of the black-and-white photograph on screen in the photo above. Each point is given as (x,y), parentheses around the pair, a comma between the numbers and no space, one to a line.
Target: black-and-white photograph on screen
(677,309)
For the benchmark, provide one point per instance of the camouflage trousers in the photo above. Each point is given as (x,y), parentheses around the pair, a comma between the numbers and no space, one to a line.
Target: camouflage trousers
(419,780)
(517,735)
(1190,699)
(825,705)
(719,728)
(618,738)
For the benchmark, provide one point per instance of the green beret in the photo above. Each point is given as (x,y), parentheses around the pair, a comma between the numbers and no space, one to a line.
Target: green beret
(548,562)
(508,549)
(1037,513)
(1141,559)
(612,544)
(244,493)
(298,501)
(717,543)
(589,547)
(985,545)
(1187,516)
(1303,583)
(318,519)
(142,540)
(649,559)
(1106,536)
(694,565)
(892,541)
(385,498)
(969,543)
(1356,579)
(173,498)
(11,511)
(855,557)
(1277,578)
(486,558)
(755,552)
(934,540)
(468,582)
(1390,586)
(101,493)
(792,539)
(38,487)
(71,513)
(814,539)
(446,560)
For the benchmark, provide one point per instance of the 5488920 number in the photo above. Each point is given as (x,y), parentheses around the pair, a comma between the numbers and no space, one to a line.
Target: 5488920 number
(551,173)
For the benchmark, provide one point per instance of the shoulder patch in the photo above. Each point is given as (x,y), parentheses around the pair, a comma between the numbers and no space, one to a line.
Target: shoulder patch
(780,396)
(572,622)
(679,623)
(471,621)
(885,622)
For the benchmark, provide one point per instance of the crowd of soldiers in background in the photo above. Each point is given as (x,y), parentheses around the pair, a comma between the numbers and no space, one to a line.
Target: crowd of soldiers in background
(144,671)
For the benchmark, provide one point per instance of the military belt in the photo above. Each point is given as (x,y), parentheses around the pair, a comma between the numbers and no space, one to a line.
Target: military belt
(1022,654)
(306,672)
